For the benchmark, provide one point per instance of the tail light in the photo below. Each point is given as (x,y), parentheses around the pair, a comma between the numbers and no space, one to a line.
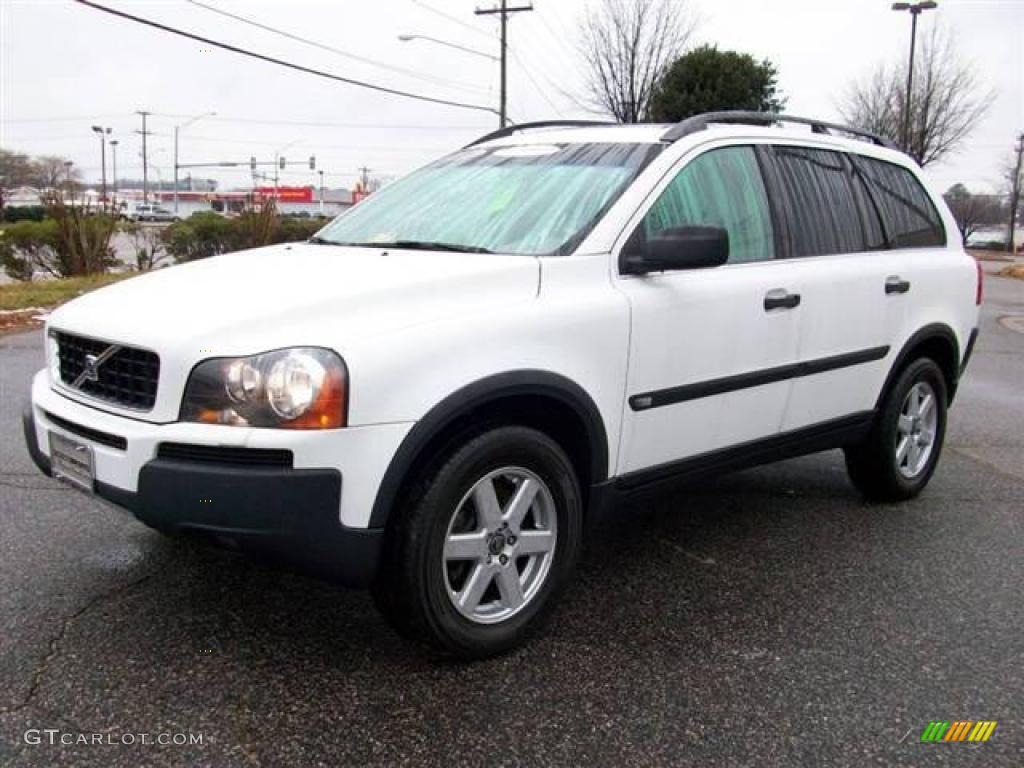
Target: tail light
(979,293)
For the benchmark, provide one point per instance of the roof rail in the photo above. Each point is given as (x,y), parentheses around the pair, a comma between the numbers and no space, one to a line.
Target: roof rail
(508,130)
(700,122)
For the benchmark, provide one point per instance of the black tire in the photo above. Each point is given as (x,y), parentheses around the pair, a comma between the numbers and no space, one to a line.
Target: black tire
(412,589)
(873,465)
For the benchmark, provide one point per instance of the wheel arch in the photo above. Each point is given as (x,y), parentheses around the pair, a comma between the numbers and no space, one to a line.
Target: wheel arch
(937,341)
(546,401)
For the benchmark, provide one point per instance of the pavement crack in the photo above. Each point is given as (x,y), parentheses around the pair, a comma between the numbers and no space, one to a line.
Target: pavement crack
(685,553)
(991,465)
(55,649)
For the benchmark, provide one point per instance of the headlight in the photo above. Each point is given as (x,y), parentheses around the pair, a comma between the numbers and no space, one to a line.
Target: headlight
(53,356)
(298,388)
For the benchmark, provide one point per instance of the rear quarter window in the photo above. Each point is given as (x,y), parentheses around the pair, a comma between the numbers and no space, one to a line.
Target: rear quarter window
(820,201)
(908,216)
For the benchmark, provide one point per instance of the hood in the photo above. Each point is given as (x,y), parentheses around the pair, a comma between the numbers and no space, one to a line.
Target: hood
(300,293)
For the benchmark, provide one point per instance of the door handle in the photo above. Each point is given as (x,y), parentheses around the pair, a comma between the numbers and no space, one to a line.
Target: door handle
(896,284)
(780,298)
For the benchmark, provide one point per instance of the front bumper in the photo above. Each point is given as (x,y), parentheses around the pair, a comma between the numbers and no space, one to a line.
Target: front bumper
(293,514)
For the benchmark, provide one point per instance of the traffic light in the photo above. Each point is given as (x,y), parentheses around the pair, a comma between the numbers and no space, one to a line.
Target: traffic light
(252,164)
(312,162)
(282,163)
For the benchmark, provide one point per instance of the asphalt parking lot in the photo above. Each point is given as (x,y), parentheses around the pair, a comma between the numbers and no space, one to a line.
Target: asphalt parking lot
(766,618)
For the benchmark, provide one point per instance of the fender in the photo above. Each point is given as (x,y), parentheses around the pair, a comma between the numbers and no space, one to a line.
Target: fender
(471,396)
(932,331)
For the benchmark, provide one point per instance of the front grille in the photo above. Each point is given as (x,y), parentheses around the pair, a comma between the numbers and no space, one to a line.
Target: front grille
(224,454)
(124,375)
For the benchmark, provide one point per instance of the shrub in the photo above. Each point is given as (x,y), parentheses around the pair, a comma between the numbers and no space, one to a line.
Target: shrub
(148,243)
(27,246)
(23,213)
(200,236)
(208,234)
(82,246)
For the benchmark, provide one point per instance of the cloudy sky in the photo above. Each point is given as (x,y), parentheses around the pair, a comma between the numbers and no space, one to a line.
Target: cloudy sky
(66,67)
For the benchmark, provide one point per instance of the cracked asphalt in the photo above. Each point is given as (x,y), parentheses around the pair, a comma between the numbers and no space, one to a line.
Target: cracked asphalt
(769,617)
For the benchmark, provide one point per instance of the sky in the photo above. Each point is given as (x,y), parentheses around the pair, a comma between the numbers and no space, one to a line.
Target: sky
(65,67)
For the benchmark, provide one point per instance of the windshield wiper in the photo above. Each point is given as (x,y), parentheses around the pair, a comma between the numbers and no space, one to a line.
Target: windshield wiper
(424,245)
(317,240)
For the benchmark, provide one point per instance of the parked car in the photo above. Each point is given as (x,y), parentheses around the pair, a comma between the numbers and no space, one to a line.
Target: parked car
(437,393)
(147,212)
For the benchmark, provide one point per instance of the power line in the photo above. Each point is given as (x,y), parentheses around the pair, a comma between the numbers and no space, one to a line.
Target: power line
(453,19)
(283,63)
(327,124)
(536,85)
(259,121)
(318,145)
(338,51)
(56,119)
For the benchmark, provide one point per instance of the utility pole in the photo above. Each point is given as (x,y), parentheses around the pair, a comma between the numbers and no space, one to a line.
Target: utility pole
(1015,193)
(321,192)
(915,10)
(504,10)
(145,159)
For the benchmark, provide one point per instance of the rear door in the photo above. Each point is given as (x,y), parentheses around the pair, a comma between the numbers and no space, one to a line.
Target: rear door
(836,235)
(707,345)
(916,276)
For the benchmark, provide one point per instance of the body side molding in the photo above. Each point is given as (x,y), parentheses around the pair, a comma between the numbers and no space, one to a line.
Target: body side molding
(672,395)
(826,435)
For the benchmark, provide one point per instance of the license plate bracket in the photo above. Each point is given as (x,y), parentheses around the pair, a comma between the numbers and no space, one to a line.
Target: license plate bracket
(72,462)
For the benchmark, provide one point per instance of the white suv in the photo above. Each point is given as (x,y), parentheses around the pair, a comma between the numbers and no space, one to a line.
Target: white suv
(434,394)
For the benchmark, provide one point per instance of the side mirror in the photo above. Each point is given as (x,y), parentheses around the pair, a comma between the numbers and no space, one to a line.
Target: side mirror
(679,248)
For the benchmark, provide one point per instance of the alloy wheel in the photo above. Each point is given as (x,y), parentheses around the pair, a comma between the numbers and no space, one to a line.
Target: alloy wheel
(500,545)
(916,428)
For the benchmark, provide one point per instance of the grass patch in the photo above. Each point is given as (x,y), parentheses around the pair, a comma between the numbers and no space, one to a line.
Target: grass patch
(50,293)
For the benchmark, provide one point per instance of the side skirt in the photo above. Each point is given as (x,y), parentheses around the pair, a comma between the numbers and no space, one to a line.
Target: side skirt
(817,437)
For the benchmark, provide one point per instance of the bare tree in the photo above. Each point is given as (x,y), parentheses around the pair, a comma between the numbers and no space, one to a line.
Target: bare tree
(973,212)
(50,171)
(626,46)
(946,103)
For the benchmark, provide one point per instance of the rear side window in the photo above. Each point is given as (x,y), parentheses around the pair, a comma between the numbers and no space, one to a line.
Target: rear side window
(821,202)
(908,215)
(720,188)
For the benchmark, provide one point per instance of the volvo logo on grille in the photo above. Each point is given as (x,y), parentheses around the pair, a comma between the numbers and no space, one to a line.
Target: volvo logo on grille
(90,371)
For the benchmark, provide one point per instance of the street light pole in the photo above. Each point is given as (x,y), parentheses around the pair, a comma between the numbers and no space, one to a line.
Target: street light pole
(915,10)
(102,133)
(466,49)
(113,160)
(321,192)
(67,178)
(176,129)
(1015,193)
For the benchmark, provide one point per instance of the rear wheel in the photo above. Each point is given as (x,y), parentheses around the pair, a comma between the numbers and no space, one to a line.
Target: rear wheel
(476,558)
(899,455)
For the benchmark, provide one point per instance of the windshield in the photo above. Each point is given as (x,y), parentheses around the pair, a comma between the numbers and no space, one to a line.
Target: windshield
(526,199)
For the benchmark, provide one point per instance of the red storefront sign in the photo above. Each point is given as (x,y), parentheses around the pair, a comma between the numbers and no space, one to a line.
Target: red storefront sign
(286,194)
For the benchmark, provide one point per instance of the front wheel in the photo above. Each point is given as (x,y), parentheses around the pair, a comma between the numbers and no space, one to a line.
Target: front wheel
(899,455)
(477,555)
